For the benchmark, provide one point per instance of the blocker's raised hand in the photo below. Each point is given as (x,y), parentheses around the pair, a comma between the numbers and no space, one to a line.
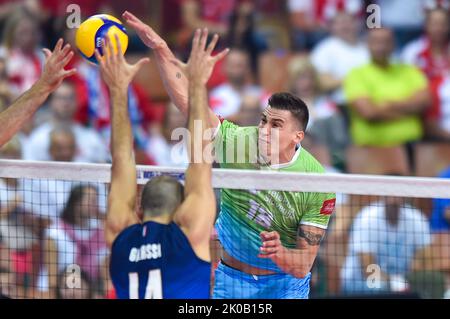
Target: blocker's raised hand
(201,62)
(116,71)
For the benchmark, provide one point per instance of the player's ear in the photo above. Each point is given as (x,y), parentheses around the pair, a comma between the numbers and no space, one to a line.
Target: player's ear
(299,136)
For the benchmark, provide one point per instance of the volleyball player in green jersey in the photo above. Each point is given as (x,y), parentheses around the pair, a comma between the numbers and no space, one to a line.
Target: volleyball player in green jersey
(270,238)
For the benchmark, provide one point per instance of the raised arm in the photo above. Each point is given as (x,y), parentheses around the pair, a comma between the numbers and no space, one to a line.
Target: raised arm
(196,214)
(16,115)
(118,74)
(175,81)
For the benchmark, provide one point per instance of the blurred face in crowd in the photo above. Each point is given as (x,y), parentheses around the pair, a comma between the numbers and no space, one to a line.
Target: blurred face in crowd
(249,112)
(62,102)
(437,26)
(304,84)
(381,45)
(237,67)
(62,146)
(89,202)
(345,26)
(26,35)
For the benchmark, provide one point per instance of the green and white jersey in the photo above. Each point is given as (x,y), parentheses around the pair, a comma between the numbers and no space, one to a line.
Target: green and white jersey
(246,213)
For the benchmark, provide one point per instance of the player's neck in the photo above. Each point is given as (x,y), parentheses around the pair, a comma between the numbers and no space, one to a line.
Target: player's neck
(287,156)
(164,219)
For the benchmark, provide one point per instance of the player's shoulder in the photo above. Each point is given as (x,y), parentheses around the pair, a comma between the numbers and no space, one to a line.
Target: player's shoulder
(307,163)
(128,235)
(228,126)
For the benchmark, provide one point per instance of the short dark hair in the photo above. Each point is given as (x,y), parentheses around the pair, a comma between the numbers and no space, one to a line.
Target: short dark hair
(161,195)
(295,105)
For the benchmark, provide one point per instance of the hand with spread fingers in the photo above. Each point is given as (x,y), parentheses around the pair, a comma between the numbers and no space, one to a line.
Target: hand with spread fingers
(201,62)
(55,62)
(116,71)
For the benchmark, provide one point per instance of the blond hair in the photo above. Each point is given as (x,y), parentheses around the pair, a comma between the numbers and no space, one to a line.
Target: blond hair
(299,65)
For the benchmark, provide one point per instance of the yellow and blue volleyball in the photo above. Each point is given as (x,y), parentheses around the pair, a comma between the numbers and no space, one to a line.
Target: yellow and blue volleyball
(94,29)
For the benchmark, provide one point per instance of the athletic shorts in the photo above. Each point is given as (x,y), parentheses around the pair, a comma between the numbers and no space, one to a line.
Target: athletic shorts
(230,283)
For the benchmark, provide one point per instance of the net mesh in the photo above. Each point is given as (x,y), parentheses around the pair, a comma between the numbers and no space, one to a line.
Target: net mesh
(52,235)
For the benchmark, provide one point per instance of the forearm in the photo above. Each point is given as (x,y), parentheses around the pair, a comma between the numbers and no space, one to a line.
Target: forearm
(174,80)
(296,262)
(413,105)
(121,133)
(15,116)
(176,83)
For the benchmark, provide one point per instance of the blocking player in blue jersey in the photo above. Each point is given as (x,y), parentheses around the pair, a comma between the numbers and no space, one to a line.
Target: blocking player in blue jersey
(166,255)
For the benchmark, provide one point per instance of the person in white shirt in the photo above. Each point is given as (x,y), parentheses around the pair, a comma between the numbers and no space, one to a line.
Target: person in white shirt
(384,239)
(309,19)
(89,145)
(164,145)
(45,197)
(226,99)
(338,54)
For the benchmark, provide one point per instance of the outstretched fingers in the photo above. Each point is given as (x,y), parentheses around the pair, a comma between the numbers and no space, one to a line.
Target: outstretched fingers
(221,55)
(203,39)
(212,44)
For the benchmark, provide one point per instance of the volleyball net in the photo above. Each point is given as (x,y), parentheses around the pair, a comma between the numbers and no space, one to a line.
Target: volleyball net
(388,235)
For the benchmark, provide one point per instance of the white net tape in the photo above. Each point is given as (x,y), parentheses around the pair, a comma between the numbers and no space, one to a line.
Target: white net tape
(243,179)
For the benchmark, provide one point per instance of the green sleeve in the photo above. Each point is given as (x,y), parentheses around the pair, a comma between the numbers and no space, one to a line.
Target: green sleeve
(319,209)
(235,146)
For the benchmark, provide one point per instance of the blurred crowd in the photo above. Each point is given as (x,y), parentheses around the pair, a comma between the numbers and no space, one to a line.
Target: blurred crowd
(368,90)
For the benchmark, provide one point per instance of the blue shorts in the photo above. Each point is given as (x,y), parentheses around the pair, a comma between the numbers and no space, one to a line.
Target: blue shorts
(230,283)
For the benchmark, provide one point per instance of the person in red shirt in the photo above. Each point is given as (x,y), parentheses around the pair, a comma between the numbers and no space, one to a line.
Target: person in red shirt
(431,51)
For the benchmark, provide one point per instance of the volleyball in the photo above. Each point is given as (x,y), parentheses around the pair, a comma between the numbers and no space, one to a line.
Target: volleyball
(94,29)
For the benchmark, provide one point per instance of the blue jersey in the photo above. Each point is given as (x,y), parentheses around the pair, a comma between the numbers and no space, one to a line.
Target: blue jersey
(153,260)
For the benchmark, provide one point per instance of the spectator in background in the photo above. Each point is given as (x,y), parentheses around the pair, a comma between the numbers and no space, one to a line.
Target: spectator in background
(161,147)
(242,33)
(437,117)
(389,234)
(19,229)
(6,96)
(386,99)
(46,198)
(309,19)
(431,52)
(89,144)
(76,238)
(338,54)
(20,49)
(440,217)
(250,111)
(326,123)
(226,99)
(210,14)
(10,188)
